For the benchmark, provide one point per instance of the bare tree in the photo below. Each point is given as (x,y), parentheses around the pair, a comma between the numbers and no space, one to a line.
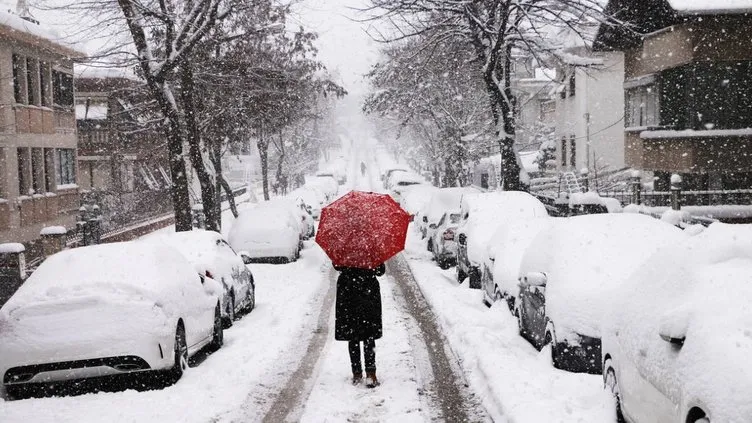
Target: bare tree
(493,30)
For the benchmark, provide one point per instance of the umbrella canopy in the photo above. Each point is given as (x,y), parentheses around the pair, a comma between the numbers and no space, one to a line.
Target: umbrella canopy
(362,229)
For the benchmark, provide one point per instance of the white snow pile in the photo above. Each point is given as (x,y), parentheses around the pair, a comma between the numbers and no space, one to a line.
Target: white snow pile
(109,272)
(12,248)
(483,213)
(53,230)
(706,6)
(507,247)
(445,199)
(205,250)
(585,258)
(264,231)
(416,197)
(589,197)
(699,290)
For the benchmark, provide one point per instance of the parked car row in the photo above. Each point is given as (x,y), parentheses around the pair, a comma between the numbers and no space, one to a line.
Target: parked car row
(661,313)
(138,309)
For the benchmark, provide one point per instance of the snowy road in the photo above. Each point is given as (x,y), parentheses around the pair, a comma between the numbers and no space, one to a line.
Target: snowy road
(444,357)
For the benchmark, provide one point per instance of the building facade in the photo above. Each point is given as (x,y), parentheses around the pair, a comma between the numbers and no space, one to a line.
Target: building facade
(590,113)
(688,90)
(122,157)
(38,182)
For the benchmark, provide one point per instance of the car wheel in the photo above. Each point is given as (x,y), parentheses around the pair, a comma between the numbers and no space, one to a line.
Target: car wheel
(461,275)
(611,384)
(218,335)
(229,317)
(474,276)
(250,299)
(181,354)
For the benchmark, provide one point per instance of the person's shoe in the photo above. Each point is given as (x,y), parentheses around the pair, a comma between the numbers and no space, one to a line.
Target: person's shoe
(357,378)
(371,380)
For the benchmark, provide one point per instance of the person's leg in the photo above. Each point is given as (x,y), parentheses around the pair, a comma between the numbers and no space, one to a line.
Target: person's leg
(369,351)
(369,354)
(354,350)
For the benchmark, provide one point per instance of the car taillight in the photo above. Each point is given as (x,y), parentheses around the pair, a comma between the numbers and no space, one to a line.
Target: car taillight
(449,235)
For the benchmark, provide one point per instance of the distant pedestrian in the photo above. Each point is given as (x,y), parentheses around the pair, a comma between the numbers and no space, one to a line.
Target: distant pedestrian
(362,168)
(358,318)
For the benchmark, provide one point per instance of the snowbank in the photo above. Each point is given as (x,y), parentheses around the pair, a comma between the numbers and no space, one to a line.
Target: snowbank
(53,230)
(11,248)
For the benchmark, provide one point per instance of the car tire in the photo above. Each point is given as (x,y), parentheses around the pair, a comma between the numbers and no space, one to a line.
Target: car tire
(555,356)
(218,335)
(474,277)
(227,321)
(181,354)
(250,302)
(610,383)
(461,275)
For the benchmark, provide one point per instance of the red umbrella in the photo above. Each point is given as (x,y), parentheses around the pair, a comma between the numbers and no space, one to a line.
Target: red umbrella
(362,229)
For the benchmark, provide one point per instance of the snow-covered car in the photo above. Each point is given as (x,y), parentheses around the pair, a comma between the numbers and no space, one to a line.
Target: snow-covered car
(677,341)
(481,215)
(415,198)
(568,277)
(442,242)
(327,182)
(501,266)
(297,211)
(442,200)
(212,256)
(265,234)
(402,182)
(388,172)
(311,198)
(107,310)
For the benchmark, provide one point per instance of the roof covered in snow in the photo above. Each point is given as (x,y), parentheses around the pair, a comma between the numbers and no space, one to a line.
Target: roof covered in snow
(35,33)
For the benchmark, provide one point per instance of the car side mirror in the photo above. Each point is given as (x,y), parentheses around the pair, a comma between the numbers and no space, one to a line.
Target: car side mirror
(534,279)
(245,256)
(673,326)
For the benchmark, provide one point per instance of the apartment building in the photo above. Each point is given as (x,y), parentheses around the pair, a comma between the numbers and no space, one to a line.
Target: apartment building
(38,183)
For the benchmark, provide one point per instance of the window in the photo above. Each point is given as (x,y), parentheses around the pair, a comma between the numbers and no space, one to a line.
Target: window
(23,171)
(572,151)
(66,166)
(563,151)
(31,83)
(18,88)
(572,81)
(44,83)
(62,89)
(37,170)
(49,172)
(642,108)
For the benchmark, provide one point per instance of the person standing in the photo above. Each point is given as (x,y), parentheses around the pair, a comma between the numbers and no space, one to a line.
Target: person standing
(358,318)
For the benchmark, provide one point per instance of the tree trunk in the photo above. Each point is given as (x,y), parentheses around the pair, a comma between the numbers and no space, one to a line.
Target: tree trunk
(263,148)
(230,198)
(208,193)
(281,178)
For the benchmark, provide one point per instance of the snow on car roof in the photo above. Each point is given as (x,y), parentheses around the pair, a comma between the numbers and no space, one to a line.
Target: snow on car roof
(446,199)
(701,289)
(143,268)
(198,246)
(585,258)
(415,198)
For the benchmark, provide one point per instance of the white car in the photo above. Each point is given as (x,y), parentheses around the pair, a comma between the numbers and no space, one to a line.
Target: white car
(402,182)
(568,277)
(265,234)
(442,241)
(389,172)
(481,215)
(416,197)
(311,198)
(107,310)
(443,200)
(327,182)
(298,213)
(677,342)
(501,266)
(212,256)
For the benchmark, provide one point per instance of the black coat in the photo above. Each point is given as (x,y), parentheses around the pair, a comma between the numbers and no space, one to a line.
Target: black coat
(358,309)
